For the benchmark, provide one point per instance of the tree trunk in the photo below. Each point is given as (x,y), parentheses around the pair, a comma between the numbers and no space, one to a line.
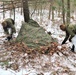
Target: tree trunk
(49,12)
(68,12)
(52,10)
(3,11)
(63,12)
(52,14)
(25,10)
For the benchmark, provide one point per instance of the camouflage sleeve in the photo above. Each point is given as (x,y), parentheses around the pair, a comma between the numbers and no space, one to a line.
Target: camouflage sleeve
(13,30)
(66,38)
(72,34)
(70,38)
(5,30)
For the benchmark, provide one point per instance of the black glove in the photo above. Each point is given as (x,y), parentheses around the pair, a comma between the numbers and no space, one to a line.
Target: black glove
(49,33)
(63,43)
(9,38)
(70,40)
(72,49)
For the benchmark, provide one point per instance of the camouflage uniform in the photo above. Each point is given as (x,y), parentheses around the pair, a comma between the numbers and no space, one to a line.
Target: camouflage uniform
(70,33)
(9,23)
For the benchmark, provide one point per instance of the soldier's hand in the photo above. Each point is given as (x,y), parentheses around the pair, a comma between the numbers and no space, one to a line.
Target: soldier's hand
(9,38)
(49,33)
(70,40)
(62,43)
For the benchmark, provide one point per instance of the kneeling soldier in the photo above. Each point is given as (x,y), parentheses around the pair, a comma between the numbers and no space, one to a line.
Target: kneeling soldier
(9,24)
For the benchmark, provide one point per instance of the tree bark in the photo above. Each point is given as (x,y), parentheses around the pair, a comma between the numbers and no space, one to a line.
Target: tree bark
(25,10)
(52,10)
(63,12)
(68,12)
(49,11)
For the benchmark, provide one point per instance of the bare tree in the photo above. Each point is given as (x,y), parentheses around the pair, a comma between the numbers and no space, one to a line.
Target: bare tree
(52,5)
(63,11)
(68,12)
(25,10)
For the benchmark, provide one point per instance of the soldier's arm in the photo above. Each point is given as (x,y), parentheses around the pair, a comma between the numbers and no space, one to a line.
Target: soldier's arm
(72,34)
(5,30)
(66,38)
(13,30)
(70,38)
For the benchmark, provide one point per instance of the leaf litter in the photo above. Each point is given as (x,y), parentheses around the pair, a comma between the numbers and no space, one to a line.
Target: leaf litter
(19,55)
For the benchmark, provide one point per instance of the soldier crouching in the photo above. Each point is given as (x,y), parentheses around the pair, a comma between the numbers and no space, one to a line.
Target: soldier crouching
(70,34)
(9,24)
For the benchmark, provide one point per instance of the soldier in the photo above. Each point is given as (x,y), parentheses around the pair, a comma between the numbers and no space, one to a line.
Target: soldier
(9,24)
(70,33)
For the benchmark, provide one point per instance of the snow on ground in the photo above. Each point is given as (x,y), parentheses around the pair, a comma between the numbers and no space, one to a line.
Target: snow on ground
(74,42)
(47,65)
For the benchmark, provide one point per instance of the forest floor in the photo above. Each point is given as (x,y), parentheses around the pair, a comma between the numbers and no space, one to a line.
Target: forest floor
(52,59)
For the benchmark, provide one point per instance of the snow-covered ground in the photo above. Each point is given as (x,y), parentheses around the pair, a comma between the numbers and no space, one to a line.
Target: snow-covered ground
(62,64)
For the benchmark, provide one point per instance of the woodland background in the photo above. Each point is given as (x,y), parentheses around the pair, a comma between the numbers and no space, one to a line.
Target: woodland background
(50,57)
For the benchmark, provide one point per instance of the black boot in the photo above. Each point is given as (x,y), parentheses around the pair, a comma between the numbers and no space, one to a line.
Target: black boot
(72,49)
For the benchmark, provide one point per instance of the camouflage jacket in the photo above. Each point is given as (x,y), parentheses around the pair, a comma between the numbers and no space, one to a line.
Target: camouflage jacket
(70,33)
(10,24)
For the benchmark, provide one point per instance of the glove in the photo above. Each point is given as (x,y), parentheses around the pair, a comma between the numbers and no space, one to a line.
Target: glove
(70,40)
(9,38)
(49,33)
(63,43)
(72,49)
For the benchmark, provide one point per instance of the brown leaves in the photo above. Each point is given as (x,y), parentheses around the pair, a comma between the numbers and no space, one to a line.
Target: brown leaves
(52,48)
(14,66)
(22,47)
